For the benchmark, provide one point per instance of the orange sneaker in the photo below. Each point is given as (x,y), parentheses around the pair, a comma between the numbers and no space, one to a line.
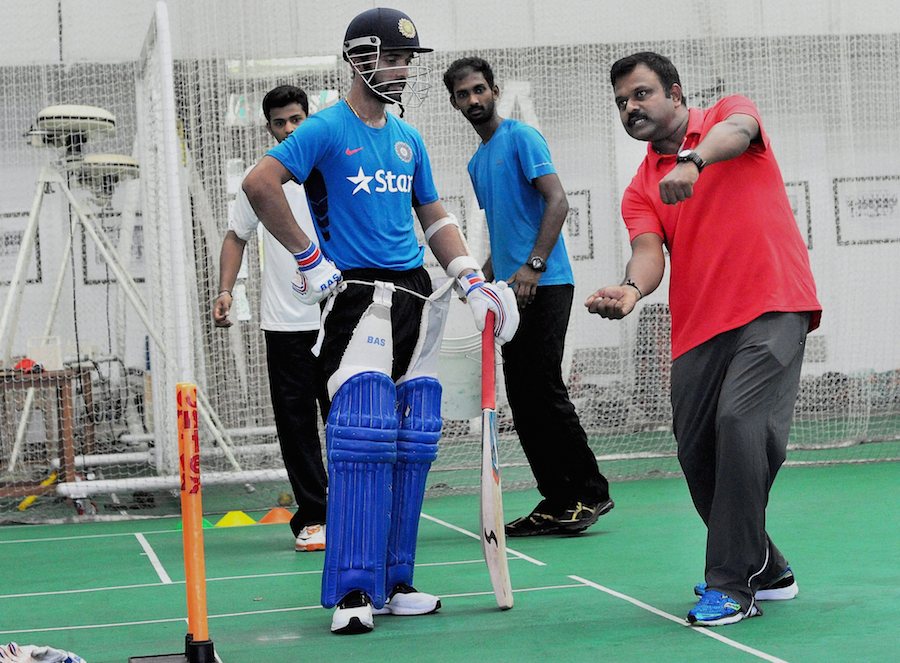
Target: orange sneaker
(311,538)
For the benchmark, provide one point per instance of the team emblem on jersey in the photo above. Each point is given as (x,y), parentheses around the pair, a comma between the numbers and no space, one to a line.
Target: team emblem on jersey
(404,151)
(406,27)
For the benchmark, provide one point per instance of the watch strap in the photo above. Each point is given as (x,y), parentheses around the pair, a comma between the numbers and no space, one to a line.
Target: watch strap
(693,157)
(537,263)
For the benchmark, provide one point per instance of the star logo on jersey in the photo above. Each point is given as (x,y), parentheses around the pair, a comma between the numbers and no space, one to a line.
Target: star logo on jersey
(386,181)
(361,180)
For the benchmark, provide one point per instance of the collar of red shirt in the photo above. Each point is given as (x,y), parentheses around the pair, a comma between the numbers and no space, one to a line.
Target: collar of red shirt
(691,138)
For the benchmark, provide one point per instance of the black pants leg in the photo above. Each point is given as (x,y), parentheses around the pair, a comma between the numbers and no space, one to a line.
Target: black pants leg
(548,427)
(733,400)
(296,385)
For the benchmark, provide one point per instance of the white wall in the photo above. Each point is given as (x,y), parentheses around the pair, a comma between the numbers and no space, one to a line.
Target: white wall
(113,30)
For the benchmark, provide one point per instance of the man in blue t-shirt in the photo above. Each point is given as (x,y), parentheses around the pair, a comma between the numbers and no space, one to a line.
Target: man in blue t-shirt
(365,172)
(517,186)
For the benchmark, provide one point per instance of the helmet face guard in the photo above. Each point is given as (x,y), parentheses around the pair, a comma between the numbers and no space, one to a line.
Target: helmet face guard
(372,34)
(365,63)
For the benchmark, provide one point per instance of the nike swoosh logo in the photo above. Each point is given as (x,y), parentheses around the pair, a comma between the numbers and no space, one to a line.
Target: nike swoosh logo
(350,152)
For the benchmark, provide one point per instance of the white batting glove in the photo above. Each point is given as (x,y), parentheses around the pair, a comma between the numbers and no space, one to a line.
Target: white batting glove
(497,297)
(316,276)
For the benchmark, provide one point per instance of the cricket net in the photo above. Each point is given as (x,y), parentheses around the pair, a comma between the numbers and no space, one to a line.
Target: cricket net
(120,318)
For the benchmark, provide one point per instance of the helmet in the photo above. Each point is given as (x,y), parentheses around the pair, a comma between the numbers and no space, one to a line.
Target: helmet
(375,31)
(388,28)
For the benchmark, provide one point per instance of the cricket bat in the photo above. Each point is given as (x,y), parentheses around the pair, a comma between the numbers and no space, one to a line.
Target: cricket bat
(493,536)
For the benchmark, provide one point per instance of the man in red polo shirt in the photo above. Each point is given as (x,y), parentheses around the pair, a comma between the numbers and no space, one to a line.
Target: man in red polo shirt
(742,299)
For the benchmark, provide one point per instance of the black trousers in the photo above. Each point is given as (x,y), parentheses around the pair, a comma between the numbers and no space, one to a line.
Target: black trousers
(296,384)
(733,400)
(548,427)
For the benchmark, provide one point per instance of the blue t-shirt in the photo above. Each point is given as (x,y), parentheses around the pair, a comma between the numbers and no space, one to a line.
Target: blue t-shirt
(502,171)
(361,184)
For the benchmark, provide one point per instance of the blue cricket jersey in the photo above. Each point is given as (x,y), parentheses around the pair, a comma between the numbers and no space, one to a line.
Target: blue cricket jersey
(361,184)
(502,171)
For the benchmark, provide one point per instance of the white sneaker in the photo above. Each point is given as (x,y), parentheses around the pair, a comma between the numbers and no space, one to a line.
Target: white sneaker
(783,588)
(310,538)
(353,615)
(407,601)
(14,653)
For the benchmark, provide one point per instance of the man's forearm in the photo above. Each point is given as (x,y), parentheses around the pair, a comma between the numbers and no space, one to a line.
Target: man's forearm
(556,209)
(445,239)
(647,264)
(263,188)
(488,269)
(551,225)
(230,259)
(728,139)
(645,271)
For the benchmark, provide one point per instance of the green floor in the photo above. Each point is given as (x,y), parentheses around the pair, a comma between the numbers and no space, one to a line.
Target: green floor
(615,593)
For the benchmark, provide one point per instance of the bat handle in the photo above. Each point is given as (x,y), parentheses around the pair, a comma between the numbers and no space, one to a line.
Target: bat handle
(488,367)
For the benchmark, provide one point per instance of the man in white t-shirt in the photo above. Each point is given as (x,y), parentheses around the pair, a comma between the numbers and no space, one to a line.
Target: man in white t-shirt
(290,329)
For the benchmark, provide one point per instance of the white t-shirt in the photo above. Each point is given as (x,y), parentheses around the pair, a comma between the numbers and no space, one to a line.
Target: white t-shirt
(279,310)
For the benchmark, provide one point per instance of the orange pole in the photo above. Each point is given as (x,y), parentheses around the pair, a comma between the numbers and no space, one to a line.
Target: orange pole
(192,511)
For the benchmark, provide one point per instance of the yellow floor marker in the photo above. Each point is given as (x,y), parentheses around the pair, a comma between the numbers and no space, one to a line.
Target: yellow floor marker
(235,519)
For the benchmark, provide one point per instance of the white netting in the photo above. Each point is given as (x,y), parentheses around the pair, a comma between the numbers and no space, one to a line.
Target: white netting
(827,85)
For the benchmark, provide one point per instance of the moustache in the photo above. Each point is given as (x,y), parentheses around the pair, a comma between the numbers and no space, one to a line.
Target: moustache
(634,117)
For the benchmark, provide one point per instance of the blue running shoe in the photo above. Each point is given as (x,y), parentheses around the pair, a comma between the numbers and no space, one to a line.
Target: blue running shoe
(717,609)
(783,588)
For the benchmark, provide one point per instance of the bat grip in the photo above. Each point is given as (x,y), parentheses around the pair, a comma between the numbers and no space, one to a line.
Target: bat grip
(488,365)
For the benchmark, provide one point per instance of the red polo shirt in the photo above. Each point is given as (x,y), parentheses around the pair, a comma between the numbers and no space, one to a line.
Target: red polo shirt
(736,251)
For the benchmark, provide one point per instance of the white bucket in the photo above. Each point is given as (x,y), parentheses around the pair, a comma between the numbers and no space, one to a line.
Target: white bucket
(459,371)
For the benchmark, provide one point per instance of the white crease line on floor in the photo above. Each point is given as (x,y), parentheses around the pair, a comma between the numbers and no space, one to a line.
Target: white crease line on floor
(108,535)
(249,576)
(665,615)
(473,535)
(251,613)
(154,560)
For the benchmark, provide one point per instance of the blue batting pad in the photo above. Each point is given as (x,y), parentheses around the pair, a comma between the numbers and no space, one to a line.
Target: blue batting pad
(417,447)
(361,436)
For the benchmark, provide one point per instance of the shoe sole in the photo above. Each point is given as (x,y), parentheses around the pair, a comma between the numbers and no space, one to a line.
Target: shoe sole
(312,547)
(353,627)
(543,532)
(581,525)
(724,621)
(386,610)
(779,593)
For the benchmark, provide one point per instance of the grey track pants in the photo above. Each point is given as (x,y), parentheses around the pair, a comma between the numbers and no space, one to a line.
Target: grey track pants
(733,401)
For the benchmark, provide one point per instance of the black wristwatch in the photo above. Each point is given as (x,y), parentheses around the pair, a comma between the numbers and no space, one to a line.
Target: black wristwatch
(693,157)
(538,264)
